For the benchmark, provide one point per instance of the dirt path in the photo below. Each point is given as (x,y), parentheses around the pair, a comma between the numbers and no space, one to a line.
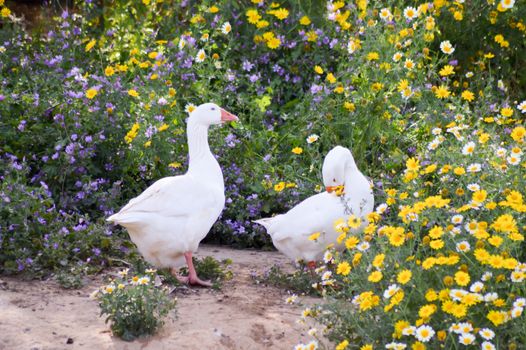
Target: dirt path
(41,315)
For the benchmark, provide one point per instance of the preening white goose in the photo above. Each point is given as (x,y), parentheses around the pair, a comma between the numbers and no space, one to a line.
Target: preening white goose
(169,219)
(290,232)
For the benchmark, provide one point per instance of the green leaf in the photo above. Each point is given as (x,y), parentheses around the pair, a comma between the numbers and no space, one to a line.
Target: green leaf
(263,102)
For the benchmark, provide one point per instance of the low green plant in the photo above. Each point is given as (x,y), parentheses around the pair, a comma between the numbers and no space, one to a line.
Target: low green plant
(134,306)
(211,269)
(71,279)
(300,281)
(37,238)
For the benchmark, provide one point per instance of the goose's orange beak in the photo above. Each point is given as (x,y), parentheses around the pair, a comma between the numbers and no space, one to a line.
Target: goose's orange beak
(227,116)
(330,188)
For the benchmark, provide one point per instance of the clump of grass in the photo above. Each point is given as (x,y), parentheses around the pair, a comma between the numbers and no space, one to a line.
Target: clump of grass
(301,281)
(70,279)
(207,268)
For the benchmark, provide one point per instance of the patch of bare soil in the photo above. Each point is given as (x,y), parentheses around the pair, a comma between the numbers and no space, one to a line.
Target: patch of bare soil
(39,315)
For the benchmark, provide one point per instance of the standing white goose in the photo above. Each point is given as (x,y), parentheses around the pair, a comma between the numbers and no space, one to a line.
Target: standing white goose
(169,219)
(290,232)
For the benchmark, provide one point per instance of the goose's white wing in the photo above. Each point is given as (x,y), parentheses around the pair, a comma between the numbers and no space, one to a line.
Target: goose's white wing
(169,197)
(314,214)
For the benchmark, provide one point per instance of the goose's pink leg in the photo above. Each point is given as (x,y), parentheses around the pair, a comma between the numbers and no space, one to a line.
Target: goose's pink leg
(311,266)
(192,274)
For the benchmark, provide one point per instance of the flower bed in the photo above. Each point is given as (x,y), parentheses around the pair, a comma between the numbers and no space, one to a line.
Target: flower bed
(93,110)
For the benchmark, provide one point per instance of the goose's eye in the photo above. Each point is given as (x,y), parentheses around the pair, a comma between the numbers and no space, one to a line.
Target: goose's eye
(213,108)
(333,180)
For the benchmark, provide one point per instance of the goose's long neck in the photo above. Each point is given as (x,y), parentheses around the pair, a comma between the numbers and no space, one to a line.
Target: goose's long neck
(351,172)
(202,163)
(197,141)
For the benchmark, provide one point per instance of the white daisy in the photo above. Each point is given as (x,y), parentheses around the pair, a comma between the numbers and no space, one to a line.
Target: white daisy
(312,138)
(381,208)
(476,287)
(455,231)
(490,297)
(312,345)
(386,15)
(406,93)
(517,276)
(471,227)
(395,346)
(486,276)
(424,333)
(410,13)
(455,328)
(201,55)
(465,327)
(521,267)
(463,246)
(446,47)
(474,168)
(516,151)
(487,346)
(144,280)
(516,312)
(487,333)
(352,46)
(457,219)
(363,246)
(182,43)
(397,56)
(327,257)
(391,290)
(468,148)
(520,302)
(433,144)
(501,152)
(326,275)
(457,294)
(189,108)
(473,187)
(409,330)
(108,289)
(507,4)
(226,28)
(513,160)
(466,339)
(522,106)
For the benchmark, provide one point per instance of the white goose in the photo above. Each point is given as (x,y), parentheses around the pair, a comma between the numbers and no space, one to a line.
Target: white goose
(169,219)
(290,231)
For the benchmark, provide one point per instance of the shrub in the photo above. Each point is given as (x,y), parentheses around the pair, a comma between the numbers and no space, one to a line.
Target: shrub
(38,238)
(441,263)
(98,119)
(301,281)
(134,306)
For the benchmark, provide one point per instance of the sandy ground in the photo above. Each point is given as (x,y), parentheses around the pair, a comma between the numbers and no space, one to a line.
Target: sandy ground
(39,315)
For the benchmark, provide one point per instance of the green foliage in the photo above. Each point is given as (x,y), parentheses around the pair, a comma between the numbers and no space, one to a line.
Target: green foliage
(72,279)
(36,238)
(135,307)
(210,269)
(301,281)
